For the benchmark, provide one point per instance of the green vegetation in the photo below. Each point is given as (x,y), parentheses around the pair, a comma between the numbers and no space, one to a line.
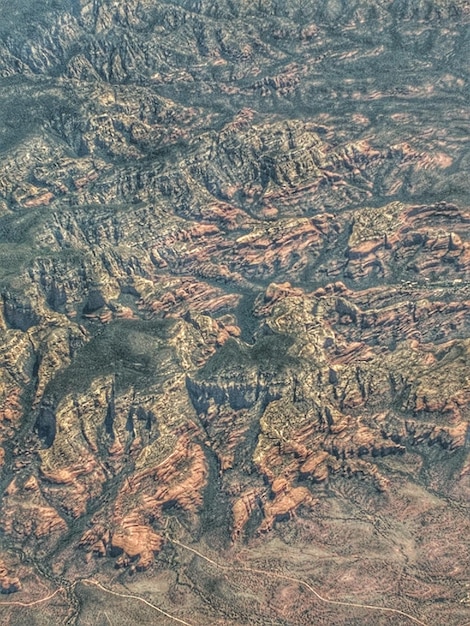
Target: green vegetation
(26,15)
(131,351)
(268,354)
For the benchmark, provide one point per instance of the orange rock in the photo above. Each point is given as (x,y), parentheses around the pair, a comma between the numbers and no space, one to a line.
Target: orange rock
(8,583)
(28,514)
(137,540)
(179,479)
(269,212)
(286,502)
(233,330)
(41,199)
(10,406)
(279,484)
(12,488)
(31,484)
(241,511)
(313,463)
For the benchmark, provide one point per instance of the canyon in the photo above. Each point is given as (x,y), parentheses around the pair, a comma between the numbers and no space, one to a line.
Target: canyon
(235,312)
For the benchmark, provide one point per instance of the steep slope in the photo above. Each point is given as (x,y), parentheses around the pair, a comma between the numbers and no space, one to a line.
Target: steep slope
(235,302)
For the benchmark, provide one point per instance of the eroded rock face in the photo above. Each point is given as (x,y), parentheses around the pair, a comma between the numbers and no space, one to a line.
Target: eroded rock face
(8,584)
(234,276)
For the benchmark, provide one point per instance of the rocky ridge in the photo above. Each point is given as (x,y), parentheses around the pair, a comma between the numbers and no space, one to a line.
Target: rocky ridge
(234,266)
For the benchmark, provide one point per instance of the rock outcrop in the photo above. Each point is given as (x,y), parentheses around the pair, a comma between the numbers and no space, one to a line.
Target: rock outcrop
(234,305)
(8,583)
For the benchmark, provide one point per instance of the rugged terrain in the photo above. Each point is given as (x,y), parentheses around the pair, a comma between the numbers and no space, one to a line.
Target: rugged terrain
(235,312)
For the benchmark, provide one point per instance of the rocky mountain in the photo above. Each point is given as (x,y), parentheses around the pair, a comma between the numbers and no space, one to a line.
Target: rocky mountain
(235,312)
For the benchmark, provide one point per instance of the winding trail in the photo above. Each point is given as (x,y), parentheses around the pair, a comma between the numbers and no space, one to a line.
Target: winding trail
(90,581)
(372,607)
(18,603)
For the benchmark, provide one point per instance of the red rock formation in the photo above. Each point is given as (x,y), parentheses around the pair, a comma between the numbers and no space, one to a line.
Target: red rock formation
(10,406)
(286,501)
(411,238)
(8,583)
(178,481)
(43,198)
(241,511)
(26,514)
(136,540)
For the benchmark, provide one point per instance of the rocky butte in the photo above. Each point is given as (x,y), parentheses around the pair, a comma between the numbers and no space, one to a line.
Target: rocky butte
(234,312)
